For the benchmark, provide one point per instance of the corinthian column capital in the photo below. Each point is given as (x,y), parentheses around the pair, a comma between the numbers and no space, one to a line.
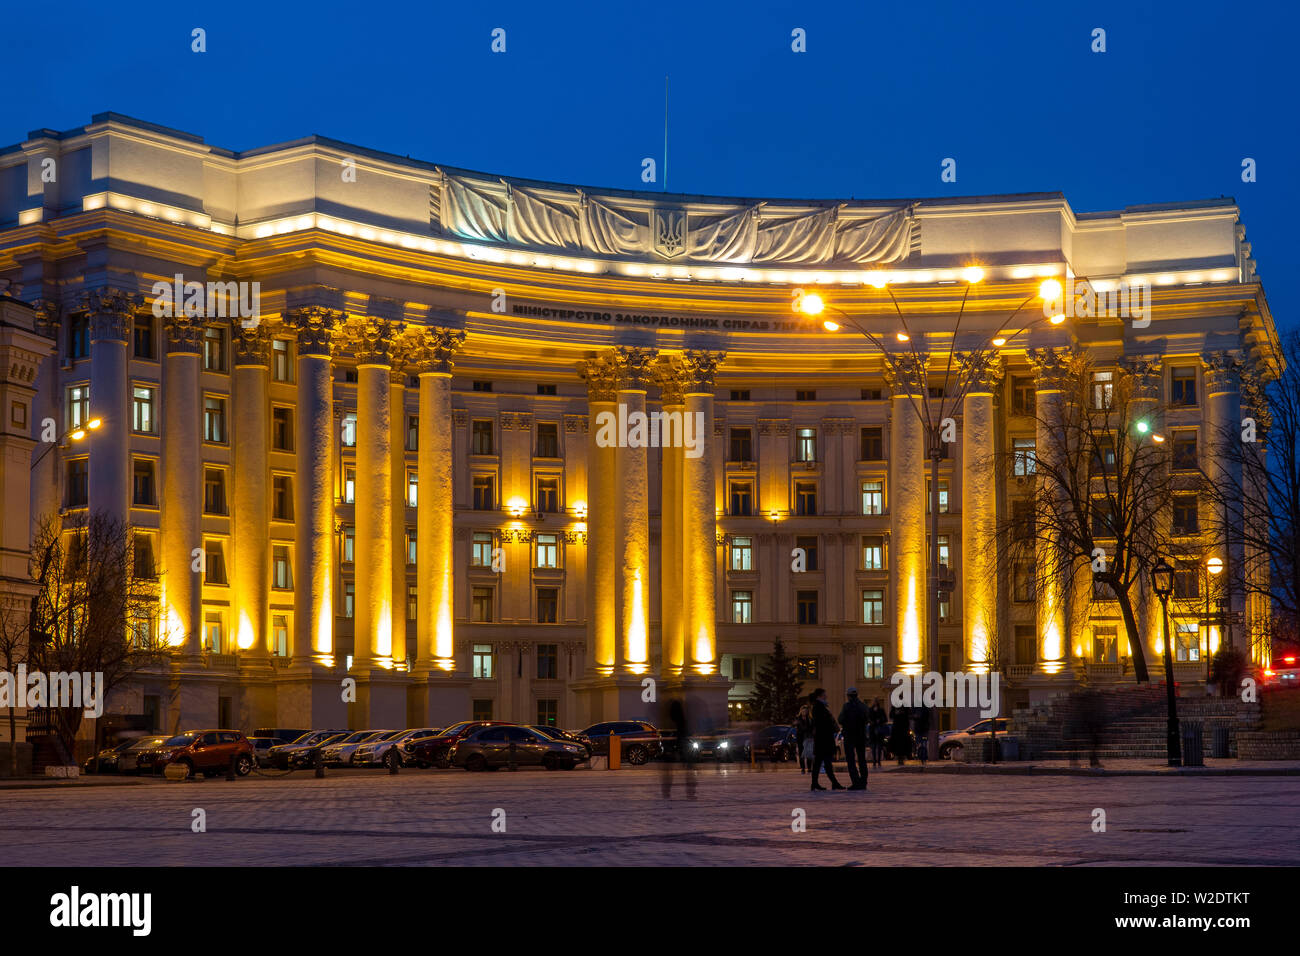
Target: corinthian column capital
(1222,371)
(636,367)
(601,374)
(1052,366)
(431,348)
(49,315)
(374,339)
(184,333)
(1147,375)
(668,374)
(317,327)
(906,374)
(252,345)
(983,371)
(698,368)
(112,313)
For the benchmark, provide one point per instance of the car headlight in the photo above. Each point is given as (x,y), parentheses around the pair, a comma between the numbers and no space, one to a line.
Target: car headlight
(695,745)
(724,745)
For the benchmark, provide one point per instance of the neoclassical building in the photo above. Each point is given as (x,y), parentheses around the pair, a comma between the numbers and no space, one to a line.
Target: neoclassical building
(374,418)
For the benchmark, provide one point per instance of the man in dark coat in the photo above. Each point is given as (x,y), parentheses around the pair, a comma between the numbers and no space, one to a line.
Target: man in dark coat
(823,740)
(876,720)
(853,723)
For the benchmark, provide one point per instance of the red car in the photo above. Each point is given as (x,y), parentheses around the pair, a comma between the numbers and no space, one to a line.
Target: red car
(208,752)
(432,751)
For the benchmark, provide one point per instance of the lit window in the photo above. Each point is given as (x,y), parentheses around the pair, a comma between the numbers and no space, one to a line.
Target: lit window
(806,444)
(481,553)
(78,406)
(281,360)
(873,607)
(742,554)
(873,497)
(215,563)
(873,662)
(412,488)
(873,553)
(349,437)
(1025,452)
(142,410)
(281,570)
(214,419)
(548,551)
(214,349)
(482,661)
(742,607)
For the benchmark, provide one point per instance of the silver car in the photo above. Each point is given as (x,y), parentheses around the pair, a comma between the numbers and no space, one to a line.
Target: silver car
(382,750)
(340,752)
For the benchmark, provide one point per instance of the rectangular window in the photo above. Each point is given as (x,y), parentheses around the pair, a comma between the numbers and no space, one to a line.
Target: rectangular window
(943,496)
(548,495)
(484,499)
(1103,390)
(872,394)
(481,606)
(873,662)
(482,661)
(805,444)
(412,602)
(481,550)
(807,668)
(214,568)
(349,544)
(873,497)
(1103,456)
(740,394)
(1185,449)
(1022,583)
(805,395)
(412,488)
(548,551)
(873,607)
(412,432)
(214,349)
(742,607)
(412,547)
(481,437)
(142,336)
(1187,642)
(806,607)
(214,491)
(142,554)
(741,445)
(78,406)
(742,554)
(481,386)
(548,605)
(805,497)
(213,633)
(545,389)
(1026,644)
(872,443)
(742,668)
(75,482)
(282,498)
(808,544)
(945,551)
(282,360)
(280,635)
(1185,516)
(1182,386)
(548,661)
(1023,396)
(142,410)
(1025,455)
(349,599)
(1187,581)
(1103,518)
(349,485)
(348,434)
(1105,645)
(1022,520)
(873,552)
(740,495)
(143,485)
(282,428)
(481,709)
(79,336)
(214,419)
(281,568)
(548,440)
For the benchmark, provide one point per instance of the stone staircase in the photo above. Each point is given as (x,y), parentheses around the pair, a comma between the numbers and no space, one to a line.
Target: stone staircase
(1126,722)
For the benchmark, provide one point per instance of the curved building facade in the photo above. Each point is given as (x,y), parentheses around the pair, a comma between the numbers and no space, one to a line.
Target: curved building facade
(494,447)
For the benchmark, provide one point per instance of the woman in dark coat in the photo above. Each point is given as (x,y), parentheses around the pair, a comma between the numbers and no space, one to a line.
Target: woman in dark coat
(803,728)
(899,740)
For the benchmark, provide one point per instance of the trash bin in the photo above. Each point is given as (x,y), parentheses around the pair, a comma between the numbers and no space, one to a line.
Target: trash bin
(1219,748)
(1193,755)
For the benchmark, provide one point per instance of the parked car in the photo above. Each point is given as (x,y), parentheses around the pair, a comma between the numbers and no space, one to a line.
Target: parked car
(262,749)
(128,760)
(1283,672)
(280,755)
(951,741)
(726,746)
(106,760)
(208,752)
(777,743)
(340,751)
(432,751)
(639,741)
(407,747)
(566,736)
(282,734)
(299,757)
(385,749)
(488,748)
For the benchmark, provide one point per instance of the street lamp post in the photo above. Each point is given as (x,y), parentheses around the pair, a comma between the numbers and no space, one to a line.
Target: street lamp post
(812,304)
(1213,567)
(73,434)
(1162,581)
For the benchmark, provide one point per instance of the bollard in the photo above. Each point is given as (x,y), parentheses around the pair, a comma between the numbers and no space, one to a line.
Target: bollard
(393,762)
(615,752)
(230,769)
(318,762)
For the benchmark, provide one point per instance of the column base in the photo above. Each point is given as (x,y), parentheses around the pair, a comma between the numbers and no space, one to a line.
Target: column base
(617,697)
(381,698)
(257,698)
(310,695)
(194,694)
(437,698)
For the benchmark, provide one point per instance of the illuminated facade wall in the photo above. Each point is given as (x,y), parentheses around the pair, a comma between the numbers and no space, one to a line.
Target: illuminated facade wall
(401,466)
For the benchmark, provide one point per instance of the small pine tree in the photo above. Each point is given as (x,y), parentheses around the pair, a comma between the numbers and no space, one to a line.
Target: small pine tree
(777,688)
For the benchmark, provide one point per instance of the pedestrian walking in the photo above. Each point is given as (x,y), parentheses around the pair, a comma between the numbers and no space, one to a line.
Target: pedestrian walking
(853,724)
(922,725)
(803,728)
(682,736)
(876,719)
(824,728)
(900,742)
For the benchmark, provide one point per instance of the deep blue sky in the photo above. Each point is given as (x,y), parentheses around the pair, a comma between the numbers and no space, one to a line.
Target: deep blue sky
(1011,90)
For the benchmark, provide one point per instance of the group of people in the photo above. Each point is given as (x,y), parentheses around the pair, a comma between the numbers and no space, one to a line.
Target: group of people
(859,726)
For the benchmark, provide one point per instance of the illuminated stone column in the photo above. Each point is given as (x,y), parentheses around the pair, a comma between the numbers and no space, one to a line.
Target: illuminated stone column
(699,513)
(1145,379)
(1222,375)
(111,317)
(907,509)
(672,580)
(46,463)
(313,593)
(601,375)
(1052,368)
(397,403)
(979,510)
(631,479)
(182,486)
(1255,510)
(374,512)
(251,513)
(435,645)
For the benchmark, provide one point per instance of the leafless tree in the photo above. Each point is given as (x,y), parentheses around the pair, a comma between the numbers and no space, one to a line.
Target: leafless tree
(14,618)
(93,610)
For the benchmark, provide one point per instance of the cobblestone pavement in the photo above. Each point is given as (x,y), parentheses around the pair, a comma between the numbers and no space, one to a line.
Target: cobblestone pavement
(582,817)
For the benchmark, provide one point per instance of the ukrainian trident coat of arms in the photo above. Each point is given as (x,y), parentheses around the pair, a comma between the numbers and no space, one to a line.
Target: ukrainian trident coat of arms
(668,227)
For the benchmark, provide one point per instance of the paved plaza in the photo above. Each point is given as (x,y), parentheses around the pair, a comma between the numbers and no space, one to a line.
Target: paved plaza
(591,817)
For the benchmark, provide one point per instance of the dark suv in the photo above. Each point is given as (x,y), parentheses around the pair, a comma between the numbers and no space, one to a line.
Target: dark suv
(638,740)
(208,752)
(433,750)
